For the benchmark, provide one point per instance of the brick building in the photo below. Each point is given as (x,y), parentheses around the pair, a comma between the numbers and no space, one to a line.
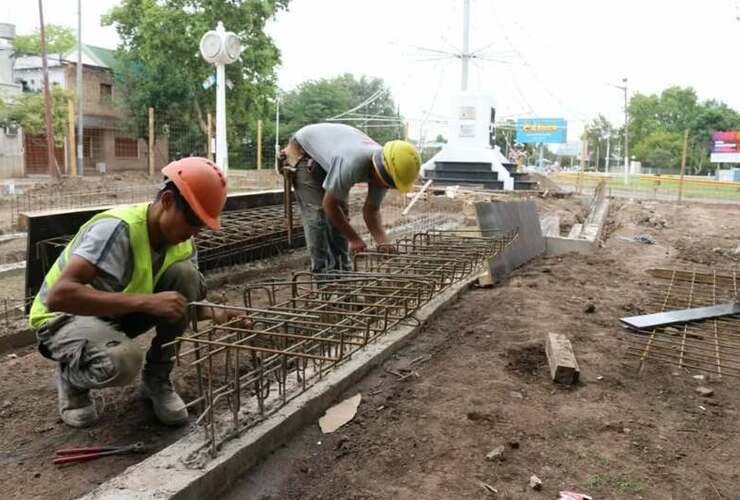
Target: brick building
(107,147)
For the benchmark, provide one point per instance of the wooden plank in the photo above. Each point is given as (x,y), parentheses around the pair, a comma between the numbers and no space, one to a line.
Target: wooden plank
(563,364)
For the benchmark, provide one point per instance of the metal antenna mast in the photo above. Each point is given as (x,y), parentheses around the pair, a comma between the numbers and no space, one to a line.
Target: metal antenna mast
(465,56)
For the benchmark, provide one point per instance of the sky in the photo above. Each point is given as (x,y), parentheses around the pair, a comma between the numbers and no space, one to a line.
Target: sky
(539,58)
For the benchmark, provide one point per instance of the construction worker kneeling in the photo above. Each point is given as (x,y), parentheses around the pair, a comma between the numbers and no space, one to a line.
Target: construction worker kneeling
(127,270)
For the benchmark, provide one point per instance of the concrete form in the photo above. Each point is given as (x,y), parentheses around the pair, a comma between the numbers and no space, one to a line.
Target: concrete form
(519,216)
(582,238)
(166,475)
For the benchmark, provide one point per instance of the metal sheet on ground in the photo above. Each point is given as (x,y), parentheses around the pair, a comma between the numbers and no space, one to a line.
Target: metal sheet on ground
(509,216)
(648,321)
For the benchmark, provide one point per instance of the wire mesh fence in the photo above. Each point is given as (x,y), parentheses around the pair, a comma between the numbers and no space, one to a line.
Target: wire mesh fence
(653,187)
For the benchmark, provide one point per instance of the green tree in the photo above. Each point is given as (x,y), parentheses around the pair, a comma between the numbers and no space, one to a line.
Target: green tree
(660,149)
(160,65)
(319,100)
(598,132)
(506,141)
(59,40)
(27,111)
(657,124)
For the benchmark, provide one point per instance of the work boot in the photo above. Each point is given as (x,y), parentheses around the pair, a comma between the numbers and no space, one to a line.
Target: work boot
(168,405)
(75,406)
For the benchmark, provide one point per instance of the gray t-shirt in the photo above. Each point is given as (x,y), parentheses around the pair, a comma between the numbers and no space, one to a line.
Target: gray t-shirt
(345,153)
(106,245)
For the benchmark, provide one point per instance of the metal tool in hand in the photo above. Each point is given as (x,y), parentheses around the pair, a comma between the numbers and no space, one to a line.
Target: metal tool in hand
(288,173)
(72,455)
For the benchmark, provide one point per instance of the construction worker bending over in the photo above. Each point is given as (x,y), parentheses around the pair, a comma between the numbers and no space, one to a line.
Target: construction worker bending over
(327,160)
(127,270)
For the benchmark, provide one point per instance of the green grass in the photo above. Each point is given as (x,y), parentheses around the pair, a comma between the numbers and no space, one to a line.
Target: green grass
(616,482)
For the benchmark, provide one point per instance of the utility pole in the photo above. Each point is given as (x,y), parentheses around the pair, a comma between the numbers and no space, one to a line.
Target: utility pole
(53,169)
(277,130)
(542,155)
(209,146)
(71,126)
(259,144)
(623,88)
(80,142)
(151,142)
(465,56)
(683,163)
(626,136)
(606,160)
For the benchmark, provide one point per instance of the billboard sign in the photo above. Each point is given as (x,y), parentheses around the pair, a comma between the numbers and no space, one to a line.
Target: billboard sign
(725,147)
(541,130)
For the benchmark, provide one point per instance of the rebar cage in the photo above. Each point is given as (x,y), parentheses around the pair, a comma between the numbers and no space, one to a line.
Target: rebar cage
(294,332)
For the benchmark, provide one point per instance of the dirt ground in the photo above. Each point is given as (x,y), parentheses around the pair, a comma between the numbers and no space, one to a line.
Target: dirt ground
(618,434)
(31,430)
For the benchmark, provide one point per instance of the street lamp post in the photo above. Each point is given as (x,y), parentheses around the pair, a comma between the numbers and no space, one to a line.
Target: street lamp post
(220,47)
(623,88)
(626,136)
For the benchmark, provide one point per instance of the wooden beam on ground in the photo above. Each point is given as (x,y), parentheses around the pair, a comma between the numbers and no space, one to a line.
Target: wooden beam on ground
(563,364)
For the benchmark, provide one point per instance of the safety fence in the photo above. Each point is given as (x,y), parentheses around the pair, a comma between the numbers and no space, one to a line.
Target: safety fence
(293,333)
(116,142)
(653,187)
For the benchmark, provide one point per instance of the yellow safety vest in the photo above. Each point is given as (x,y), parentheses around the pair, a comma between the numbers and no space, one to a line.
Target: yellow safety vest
(142,279)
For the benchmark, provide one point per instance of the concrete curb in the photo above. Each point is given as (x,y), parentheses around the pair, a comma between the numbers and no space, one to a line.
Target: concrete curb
(165,476)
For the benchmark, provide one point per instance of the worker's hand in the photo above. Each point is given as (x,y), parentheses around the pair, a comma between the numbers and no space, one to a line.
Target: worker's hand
(168,305)
(221,316)
(282,162)
(357,246)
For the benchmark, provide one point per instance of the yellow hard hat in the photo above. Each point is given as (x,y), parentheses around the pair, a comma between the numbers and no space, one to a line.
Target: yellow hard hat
(402,163)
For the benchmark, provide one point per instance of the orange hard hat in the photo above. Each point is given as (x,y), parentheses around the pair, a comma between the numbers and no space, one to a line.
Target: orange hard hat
(203,186)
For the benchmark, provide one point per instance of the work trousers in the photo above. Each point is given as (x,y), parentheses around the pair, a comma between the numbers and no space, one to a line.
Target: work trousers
(95,352)
(329,249)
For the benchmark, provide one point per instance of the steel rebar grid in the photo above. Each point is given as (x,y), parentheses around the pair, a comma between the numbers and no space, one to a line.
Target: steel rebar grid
(245,235)
(311,323)
(712,345)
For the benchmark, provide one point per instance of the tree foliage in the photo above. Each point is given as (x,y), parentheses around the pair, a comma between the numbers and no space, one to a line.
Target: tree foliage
(27,112)
(161,66)
(506,141)
(598,132)
(316,101)
(657,124)
(59,40)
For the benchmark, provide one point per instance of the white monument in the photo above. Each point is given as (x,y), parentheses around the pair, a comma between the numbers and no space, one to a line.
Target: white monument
(471,132)
(470,137)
